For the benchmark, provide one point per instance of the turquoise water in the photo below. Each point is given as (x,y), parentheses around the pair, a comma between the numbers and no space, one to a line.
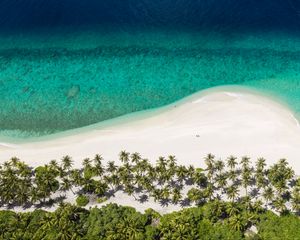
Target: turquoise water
(69,78)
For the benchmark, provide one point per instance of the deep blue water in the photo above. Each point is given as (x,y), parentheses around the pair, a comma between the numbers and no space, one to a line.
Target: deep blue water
(67,63)
(199,14)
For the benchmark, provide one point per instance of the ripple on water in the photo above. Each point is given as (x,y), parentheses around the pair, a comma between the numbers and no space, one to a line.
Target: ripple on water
(52,86)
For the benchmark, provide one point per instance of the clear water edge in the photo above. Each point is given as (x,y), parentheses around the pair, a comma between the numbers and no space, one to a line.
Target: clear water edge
(148,70)
(144,114)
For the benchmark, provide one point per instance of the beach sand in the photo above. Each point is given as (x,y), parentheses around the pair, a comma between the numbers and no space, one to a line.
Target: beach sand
(223,122)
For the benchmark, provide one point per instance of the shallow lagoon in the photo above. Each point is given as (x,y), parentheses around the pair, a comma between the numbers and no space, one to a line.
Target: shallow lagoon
(69,65)
(59,82)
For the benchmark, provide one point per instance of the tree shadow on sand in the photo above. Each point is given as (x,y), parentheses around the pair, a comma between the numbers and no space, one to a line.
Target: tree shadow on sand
(185,202)
(50,202)
(143,198)
(164,202)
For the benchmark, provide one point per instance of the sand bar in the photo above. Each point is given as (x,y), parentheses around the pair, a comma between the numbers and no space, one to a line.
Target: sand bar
(223,122)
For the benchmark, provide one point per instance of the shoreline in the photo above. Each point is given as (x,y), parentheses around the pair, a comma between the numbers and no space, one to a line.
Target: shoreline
(223,121)
(235,90)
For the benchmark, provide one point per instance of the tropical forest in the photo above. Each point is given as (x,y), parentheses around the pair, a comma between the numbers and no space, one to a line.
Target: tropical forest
(228,199)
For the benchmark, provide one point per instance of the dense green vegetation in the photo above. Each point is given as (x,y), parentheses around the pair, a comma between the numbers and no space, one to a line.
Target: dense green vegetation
(210,221)
(82,200)
(229,197)
(166,182)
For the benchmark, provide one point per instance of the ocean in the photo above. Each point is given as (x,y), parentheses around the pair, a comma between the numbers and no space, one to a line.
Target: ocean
(68,64)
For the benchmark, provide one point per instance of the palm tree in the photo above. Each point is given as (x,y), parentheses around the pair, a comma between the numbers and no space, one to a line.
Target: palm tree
(232,162)
(141,168)
(199,178)
(113,180)
(47,221)
(53,164)
(283,162)
(256,207)
(22,195)
(296,200)
(151,173)
(218,210)
(279,175)
(246,179)
(161,164)
(34,195)
(172,161)
(124,157)
(98,159)
(183,232)
(101,188)
(88,184)
(67,163)
(165,193)
(246,202)
(156,194)
(268,195)
(176,195)
(232,209)
(190,171)
(129,189)
(210,163)
(232,192)
(279,204)
(66,185)
(135,157)
(209,191)
(195,195)
(124,174)
(111,167)
(260,164)
(146,183)
(9,180)
(236,222)
(246,173)
(233,176)
(45,180)
(181,172)
(76,177)
(219,166)
(7,164)
(14,161)
(221,180)
(23,181)
(260,173)
(245,162)
(86,163)
(139,181)
(128,228)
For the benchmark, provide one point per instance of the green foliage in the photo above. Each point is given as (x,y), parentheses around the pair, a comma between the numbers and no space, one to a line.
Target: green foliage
(192,224)
(196,195)
(250,190)
(164,181)
(8,224)
(181,225)
(276,227)
(82,200)
(65,223)
(116,222)
(101,199)
(209,231)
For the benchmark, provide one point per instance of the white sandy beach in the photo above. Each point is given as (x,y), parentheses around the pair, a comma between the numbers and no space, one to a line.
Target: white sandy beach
(221,122)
